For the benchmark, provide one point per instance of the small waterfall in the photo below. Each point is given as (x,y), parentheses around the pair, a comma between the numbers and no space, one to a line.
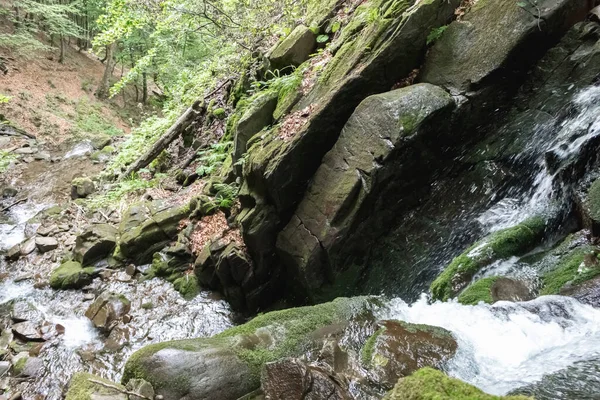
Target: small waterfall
(506,346)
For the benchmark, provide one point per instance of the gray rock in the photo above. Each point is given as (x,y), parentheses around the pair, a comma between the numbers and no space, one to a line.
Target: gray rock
(45,230)
(82,187)
(374,158)
(95,243)
(4,367)
(26,150)
(108,310)
(294,49)
(42,156)
(28,331)
(23,310)
(28,247)
(13,253)
(140,387)
(9,192)
(45,244)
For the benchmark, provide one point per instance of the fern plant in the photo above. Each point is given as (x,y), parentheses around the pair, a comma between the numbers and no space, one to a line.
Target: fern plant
(212,158)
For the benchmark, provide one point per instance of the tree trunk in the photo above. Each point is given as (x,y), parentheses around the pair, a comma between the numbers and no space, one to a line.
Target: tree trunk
(184,121)
(104,88)
(61,58)
(144,88)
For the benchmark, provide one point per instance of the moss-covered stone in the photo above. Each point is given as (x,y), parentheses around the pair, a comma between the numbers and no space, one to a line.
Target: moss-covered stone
(513,241)
(480,291)
(219,113)
(238,354)
(577,266)
(431,384)
(71,275)
(294,49)
(82,387)
(187,285)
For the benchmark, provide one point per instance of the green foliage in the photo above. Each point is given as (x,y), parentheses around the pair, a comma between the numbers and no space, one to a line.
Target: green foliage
(211,159)
(366,353)
(89,120)
(6,159)
(226,194)
(4,99)
(435,34)
(322,38)
(120,190)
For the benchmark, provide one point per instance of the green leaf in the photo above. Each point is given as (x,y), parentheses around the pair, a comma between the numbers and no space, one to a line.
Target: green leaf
(322,38)
(336,26)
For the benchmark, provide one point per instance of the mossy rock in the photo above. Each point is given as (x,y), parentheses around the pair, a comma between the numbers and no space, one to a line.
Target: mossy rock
(573,268)
(71,275)
(492,289)
(187,285)
(506,243)
(82,387)
(431,384)
(294,49)
(230,362)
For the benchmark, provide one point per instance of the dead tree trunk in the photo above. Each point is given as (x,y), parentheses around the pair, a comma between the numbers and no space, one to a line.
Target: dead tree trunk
(184,121)
(104,88)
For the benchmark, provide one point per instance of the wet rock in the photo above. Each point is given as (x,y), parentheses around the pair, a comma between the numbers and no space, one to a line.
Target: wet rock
(85,386)
(108,310)
(207,368)
(428,383)
(141,387)
(292,379)
(13,253)
(26,366)
(71,275)
(95,243)
(26,150)
(591,209)
(294,49)
(100,141)
(322,238)
(495,288)
(42,156)
(46,244)
(146,229)
(506,243)
(23,310)
(119,336)
(9,192)
(4,367)
(82,187)
(28,247)
(398,349)
(45,230)
(28,331)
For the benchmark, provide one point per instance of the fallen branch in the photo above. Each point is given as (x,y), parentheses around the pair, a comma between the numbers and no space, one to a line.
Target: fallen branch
(184,121)
(14,204)
(118,389)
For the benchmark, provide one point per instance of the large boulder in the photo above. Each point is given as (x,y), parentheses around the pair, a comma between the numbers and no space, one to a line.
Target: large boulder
(294,49)
(429,384)
(82,187)
(370,58)
(230,363)
(398,349)
(495,39)
(95,243)
(495,288)
(71,275)
(387,146)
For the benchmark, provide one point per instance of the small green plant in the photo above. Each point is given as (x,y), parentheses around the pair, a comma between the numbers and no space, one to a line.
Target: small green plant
(4,98)
(121,189)
(87,85)
(212,158)
(6,159)
(322,39)
(226,194)
(89,120)
(435,34)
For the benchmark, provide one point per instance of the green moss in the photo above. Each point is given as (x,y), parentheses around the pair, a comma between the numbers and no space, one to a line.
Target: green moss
(298,325)
(431,384)
(148,306)
(513,241)
(366,353)
(80,387)
(70,275)
(593,200)
(568,271)
(19,366)
(478,291)
(219,113)
(187,285)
